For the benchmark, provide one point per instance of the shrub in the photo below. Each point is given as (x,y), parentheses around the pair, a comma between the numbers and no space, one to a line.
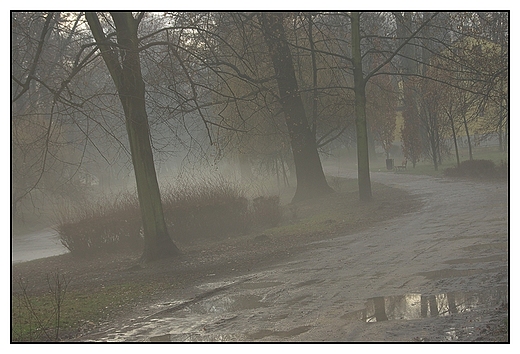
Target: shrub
(209,208)
(205,208)
(267,211)
(102,225)
(473,168)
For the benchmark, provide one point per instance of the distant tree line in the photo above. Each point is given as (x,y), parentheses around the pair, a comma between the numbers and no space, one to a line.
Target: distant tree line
(117,92)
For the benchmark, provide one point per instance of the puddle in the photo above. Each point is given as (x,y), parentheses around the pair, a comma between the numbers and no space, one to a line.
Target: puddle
(206,320)
(196,329)
(280,334)
(226,303)
(415,306)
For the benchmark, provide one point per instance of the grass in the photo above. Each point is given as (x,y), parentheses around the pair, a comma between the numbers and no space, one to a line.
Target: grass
(80,310)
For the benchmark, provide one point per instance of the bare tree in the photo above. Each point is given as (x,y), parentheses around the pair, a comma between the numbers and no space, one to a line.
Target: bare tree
(365,189)
(311,180)
(123,62)
(43,166)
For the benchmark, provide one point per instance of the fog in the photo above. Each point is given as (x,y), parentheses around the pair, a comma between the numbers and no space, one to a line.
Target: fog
(324,167)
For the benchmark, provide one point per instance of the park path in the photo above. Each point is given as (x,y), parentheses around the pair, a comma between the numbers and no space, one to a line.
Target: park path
(35,245)
(435,274)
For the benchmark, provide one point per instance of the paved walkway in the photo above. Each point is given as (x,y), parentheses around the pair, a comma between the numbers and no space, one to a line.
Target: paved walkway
(407,279)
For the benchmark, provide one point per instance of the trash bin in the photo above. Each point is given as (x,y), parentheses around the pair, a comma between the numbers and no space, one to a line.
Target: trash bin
(389,164)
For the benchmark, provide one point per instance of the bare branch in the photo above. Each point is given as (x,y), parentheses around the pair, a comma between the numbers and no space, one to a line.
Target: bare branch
(32,71)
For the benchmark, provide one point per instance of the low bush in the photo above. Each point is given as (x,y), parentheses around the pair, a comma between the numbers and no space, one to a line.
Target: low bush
(205,208)
(210,208)
(103,225)
(476,169)
(266,211)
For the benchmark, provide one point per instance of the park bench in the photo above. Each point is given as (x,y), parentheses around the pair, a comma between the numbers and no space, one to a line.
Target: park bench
(402,167)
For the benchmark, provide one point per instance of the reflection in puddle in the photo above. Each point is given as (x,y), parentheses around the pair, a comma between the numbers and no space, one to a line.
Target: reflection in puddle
(227,303)
(280,334)
(414,306)
(206,320)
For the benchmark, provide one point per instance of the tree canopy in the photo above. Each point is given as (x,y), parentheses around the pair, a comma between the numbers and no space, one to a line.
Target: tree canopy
(92,92)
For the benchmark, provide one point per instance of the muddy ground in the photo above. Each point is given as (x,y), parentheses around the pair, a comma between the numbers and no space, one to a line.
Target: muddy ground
(436,269)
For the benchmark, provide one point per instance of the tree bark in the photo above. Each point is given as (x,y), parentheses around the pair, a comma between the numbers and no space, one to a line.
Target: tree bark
(433,146)
(408,65)
(468,136)
(310,179)
(365,188)
(454,135)
(130,86)
(314,120)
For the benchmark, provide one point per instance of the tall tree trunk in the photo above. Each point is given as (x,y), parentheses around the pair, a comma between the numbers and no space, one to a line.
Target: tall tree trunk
(500,140)
(310,179)
(501,121)
(130,86)
(408,65)
(436,140)
(365,188)
(468,137)
(454,134)
(314,120)
(405,28)
(434,150)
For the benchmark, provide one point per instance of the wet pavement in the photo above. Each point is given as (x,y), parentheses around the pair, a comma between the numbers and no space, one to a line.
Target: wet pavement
(430,275)
(35,245)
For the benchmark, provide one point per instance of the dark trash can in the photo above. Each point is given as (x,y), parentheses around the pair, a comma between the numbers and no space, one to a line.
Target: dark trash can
(389,164)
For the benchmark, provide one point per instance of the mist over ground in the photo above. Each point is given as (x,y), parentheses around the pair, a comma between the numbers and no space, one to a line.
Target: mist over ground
(260,176)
